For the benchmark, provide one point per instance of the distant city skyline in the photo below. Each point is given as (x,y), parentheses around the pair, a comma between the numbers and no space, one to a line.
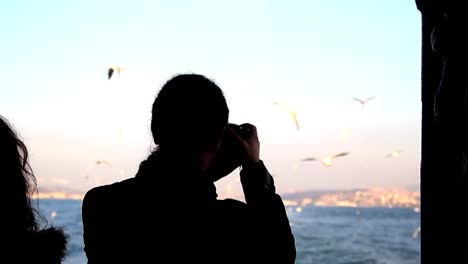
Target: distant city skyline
(317,57)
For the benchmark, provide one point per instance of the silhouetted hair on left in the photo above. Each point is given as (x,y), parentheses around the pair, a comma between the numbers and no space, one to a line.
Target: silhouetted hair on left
(23,229)
(17,177)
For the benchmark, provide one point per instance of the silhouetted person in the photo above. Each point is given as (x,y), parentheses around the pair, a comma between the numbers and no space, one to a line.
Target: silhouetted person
(23,239)
(169,212)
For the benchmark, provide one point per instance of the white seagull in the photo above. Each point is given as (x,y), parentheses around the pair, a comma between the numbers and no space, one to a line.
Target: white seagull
(112,69)
(394,154)
(327,161)
(290,111)
(363,101)
(103,162)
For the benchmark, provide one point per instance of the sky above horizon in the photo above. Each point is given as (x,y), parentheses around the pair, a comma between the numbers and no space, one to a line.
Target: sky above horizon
(312,55)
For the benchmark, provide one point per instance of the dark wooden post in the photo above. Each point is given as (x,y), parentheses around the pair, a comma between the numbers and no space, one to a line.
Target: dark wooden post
(443,146)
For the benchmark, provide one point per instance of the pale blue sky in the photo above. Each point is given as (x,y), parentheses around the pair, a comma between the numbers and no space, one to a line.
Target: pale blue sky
(313,55)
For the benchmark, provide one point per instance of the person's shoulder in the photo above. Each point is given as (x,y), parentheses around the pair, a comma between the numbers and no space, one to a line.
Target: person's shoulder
(233,205)
(108,192)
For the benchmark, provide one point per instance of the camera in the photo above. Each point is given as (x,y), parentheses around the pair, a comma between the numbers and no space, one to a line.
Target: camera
(230,154)
(242,130)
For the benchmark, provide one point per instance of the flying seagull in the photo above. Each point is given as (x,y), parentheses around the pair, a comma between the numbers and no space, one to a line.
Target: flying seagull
(394,154)
(103,162)
(344,135)
(363,101)
(93,165)
(416,232)
(113,69)
(290,111)
(327,161)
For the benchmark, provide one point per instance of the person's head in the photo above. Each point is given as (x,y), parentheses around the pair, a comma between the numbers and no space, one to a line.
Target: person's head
(18,181)
(189,114)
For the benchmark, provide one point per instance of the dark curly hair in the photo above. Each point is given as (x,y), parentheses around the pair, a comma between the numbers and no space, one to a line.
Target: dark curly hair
(18,179)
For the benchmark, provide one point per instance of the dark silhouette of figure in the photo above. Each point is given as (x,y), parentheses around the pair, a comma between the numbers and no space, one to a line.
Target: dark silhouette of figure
(169,212)
(24,241)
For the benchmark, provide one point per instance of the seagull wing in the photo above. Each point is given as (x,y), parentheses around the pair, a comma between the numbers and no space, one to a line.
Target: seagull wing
(291,112)
(109,73)
(369,98)
(294,117)
(393,153)
(416,233)
(340,154)
(103,162)
(309,159)
(344,135)
(358,100)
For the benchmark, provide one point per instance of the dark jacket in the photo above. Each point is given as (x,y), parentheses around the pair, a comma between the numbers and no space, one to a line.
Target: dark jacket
(47,246)
(167,214)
